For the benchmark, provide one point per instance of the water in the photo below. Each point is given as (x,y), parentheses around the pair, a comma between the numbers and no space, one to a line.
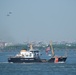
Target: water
(37,69)
(68,68)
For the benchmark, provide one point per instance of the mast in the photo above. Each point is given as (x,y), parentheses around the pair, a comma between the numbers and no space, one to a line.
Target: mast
(31,48)
(52,50)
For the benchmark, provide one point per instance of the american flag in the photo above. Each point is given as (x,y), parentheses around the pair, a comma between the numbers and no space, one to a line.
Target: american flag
(47,49)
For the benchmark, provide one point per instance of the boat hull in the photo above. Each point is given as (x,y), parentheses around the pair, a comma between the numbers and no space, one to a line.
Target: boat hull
(58,59)
(23,60)
(32,60)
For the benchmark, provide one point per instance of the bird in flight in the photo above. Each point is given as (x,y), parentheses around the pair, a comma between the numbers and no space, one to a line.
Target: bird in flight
(9,13)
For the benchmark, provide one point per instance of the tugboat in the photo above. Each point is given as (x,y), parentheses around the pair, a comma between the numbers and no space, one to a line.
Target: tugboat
(26,56)
(56,59)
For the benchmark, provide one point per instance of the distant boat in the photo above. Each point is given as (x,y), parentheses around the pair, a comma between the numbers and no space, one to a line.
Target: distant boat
(56,59)
(26,56)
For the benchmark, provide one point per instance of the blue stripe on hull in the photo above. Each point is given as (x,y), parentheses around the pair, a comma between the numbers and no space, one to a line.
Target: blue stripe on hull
(23,60)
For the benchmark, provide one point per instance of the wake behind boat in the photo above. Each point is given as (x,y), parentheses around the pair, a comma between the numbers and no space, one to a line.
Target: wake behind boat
(26,56)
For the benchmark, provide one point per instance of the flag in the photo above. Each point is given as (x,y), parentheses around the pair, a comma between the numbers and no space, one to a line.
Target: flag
(47,49)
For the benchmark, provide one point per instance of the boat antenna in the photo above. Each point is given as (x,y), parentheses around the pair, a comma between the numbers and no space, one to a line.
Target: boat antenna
(52,49)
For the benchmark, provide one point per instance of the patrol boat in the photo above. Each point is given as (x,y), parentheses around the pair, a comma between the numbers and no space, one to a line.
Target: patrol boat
(26,56)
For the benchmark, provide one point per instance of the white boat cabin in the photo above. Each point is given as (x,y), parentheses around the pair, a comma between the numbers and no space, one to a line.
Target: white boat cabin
(28,54)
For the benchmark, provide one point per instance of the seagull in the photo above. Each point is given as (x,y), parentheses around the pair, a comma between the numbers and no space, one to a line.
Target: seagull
(9,13)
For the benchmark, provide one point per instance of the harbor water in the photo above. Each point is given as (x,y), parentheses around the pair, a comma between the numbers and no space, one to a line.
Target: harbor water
(67,68)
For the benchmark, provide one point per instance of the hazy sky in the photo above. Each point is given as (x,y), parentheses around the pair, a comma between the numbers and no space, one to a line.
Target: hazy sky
(37,20)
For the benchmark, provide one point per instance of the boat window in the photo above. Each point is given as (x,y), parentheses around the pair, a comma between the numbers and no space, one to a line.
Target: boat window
(30,54)
(27,55)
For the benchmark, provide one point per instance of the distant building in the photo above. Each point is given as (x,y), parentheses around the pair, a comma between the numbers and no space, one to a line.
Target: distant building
(2,44)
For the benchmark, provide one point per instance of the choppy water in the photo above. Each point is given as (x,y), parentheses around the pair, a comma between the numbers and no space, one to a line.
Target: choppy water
(37,69)
(68,68)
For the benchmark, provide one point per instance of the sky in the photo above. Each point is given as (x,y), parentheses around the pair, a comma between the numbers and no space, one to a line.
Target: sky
(37,20)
